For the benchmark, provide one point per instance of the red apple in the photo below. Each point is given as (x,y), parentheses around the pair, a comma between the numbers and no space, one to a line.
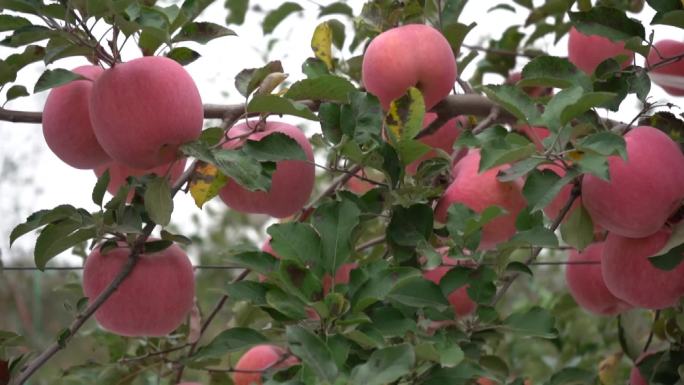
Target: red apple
(442,139)
(630,276)
(535,134)
(413,55)
(588,51)
(119,172)
(261,358)
(635,377)
(152,301)
(479,191)
(143,110)
(586,284)
(668,48)
(66,122)
(292,181)
(643,191)
(341,276)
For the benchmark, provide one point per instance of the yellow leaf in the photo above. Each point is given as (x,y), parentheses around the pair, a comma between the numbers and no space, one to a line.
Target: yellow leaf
(270,82)
(206,183)
(575,155)
(404,119)
(608,368)
(321,43)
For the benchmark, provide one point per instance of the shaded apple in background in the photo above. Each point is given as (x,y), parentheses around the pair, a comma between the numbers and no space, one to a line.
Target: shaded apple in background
(630,276)
(635,377)
(585,282)
(144,109)
(588,51)
(668,48)
(359,186)
(442,139)
(413,55)
(119,172)
(292,181)
(261,357)
(459,299)
(152,301)
(643,191)
(4,372)
(66,122)
(479,191)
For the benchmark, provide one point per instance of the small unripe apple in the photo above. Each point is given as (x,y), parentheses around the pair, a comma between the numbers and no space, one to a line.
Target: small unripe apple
(588,51)
(119,172)
(643,191)
(152,301)
(668,48)
(261,358)
(479,191)
(414,55)
(66,122)
(630,276)
(144,109)
(292,181)
(586,285)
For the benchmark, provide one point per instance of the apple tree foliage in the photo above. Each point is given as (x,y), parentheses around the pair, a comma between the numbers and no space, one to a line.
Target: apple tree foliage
(377,329)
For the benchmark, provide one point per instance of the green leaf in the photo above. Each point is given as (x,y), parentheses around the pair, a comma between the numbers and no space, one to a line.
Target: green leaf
(183,55)
(274,17)
(100,188)
(42,218)
(202,32)
(58,237)
(514,100)
(257,261)
(336,8)
(335,222)
(607,22)
(242,168)
(31,54)
(229,341)
(16,91)
(159,201)
(665,5)
(578,229)
(519,169)
(10,22)
(404,118)
(506,147)
(585,103)
(55,78)
(280,106)
(26,35)
(535,322)
(572,376)
(537,236)
(324,87)
(516,266)
(178,238)
(362,118)
(59,47)
(550,71)
(669,260)
(274,147)
(673,18)
(380,286)
(539,188)
(249,79)
(385,366)
(418,292)
(297,241)
(247,291)
(157,246)
(312,351)
(237,9)
(558,103)
(604,143)
(410,225)
(286,304)
(329,115)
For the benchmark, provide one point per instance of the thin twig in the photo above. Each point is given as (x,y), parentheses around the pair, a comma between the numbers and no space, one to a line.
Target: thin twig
(488,121)
(207,322)
(499,51)
(330,190)
(650,335)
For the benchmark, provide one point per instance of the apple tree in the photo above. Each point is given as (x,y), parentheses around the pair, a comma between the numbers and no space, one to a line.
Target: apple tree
(432,211)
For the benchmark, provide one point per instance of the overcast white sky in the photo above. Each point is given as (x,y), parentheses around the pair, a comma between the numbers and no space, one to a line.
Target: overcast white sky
(43,181)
